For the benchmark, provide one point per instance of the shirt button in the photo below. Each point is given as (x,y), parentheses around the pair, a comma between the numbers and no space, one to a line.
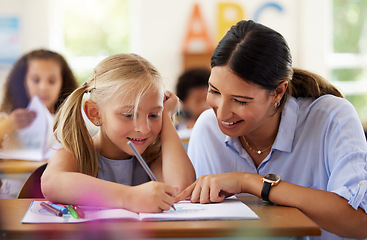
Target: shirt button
(362,183)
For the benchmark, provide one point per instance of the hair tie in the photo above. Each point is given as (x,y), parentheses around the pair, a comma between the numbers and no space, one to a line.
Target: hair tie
(85,86)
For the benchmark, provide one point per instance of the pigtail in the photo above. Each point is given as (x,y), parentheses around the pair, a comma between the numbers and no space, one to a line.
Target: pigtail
(70,130)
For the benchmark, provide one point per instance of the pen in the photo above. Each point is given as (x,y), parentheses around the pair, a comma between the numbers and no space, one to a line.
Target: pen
(51,209)
(78,210)
(72,212)
(144,165)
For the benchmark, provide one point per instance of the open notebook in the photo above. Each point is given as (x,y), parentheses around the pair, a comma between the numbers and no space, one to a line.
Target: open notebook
(228,209)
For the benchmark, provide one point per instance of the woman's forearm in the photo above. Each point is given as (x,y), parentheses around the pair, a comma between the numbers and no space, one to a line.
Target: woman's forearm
(330,211)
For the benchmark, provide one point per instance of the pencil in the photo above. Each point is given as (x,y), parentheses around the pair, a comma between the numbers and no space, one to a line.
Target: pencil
(51,209)
(144,165)
(58,207)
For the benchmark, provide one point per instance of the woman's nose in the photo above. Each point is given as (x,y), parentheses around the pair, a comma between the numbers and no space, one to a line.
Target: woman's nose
(223,110)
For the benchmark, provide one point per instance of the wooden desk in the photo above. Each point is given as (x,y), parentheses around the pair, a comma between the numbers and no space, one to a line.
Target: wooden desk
(18,166)
(18,172)
(274,221)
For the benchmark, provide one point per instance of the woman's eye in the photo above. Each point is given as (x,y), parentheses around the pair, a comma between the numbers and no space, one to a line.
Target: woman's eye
(213,91)
(240,102)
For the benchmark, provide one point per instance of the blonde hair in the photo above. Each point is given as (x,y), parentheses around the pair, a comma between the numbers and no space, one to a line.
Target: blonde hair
(112,77)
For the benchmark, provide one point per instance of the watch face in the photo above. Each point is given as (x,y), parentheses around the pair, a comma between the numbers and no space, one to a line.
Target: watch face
(272,177)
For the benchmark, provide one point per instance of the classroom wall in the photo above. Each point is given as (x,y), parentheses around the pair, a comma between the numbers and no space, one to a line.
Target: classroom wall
(159,26)
(33,30)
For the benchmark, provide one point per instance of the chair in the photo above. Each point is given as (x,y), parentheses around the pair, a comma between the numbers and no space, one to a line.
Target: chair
(32,187)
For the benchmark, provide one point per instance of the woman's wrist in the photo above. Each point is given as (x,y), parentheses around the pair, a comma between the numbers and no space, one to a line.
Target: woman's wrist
(251,183)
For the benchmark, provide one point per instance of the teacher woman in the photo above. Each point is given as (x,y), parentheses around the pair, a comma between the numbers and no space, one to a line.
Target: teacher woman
(279,133)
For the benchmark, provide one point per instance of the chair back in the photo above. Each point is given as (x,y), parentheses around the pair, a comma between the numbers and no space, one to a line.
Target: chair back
(32,187)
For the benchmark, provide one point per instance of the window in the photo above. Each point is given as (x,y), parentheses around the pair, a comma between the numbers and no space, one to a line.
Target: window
(87,31)
(348,62)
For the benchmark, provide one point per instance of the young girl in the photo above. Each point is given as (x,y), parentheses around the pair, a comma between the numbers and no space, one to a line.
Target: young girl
(128,103)
(41,73)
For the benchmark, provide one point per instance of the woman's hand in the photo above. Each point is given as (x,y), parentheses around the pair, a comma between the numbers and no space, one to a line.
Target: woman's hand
(21,118)
(170,103)
(151,197)
(213,188)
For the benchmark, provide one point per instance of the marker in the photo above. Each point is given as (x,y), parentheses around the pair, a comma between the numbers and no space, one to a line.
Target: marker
(58,207)
(78,210)
(72,212)
(51,209)
(144,165)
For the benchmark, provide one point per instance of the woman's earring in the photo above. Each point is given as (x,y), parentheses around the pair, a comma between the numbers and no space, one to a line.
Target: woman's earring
(277,104)
(97,123)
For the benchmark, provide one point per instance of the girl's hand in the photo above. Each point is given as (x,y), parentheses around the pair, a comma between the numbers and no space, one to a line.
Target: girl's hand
(213,188)
(21,118)
(151,197)
(170,103)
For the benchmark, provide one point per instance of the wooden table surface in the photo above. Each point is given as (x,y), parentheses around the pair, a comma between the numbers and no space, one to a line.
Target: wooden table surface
(18,166)
(274,221)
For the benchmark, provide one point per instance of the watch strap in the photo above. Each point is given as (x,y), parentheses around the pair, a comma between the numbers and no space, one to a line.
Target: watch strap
(265,191)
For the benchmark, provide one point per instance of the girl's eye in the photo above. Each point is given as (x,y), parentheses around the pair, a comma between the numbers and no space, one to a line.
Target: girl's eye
(213,91)
(240,102)
(127,115)
(35,80)
(154,116)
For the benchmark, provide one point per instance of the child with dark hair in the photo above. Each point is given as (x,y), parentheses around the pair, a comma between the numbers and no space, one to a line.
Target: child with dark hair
(42,73)
(191,89)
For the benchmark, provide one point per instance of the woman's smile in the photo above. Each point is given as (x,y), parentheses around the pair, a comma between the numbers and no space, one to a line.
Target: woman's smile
(230,125)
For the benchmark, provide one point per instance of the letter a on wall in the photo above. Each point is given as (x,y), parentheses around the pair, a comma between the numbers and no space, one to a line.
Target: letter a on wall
(197,38)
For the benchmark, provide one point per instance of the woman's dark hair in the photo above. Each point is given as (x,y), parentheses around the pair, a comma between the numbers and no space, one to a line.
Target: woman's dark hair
(190,79)
(260,55)
(15,94)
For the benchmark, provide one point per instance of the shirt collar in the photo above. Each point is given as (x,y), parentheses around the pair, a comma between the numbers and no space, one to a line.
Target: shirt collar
(286,131)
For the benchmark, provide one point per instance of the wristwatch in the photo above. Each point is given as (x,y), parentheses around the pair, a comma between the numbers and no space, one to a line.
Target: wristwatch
(269,180)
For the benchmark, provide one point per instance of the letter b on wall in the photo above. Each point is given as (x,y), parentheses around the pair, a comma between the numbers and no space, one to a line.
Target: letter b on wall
(228,15)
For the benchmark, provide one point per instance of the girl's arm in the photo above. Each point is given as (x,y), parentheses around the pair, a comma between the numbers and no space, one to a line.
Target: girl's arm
(5,128)
(18,119)
(174,167)
(330,211)
(62,183)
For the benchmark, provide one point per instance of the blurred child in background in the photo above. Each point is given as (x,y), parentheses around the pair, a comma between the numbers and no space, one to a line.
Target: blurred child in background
(191,89)
(41,73)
